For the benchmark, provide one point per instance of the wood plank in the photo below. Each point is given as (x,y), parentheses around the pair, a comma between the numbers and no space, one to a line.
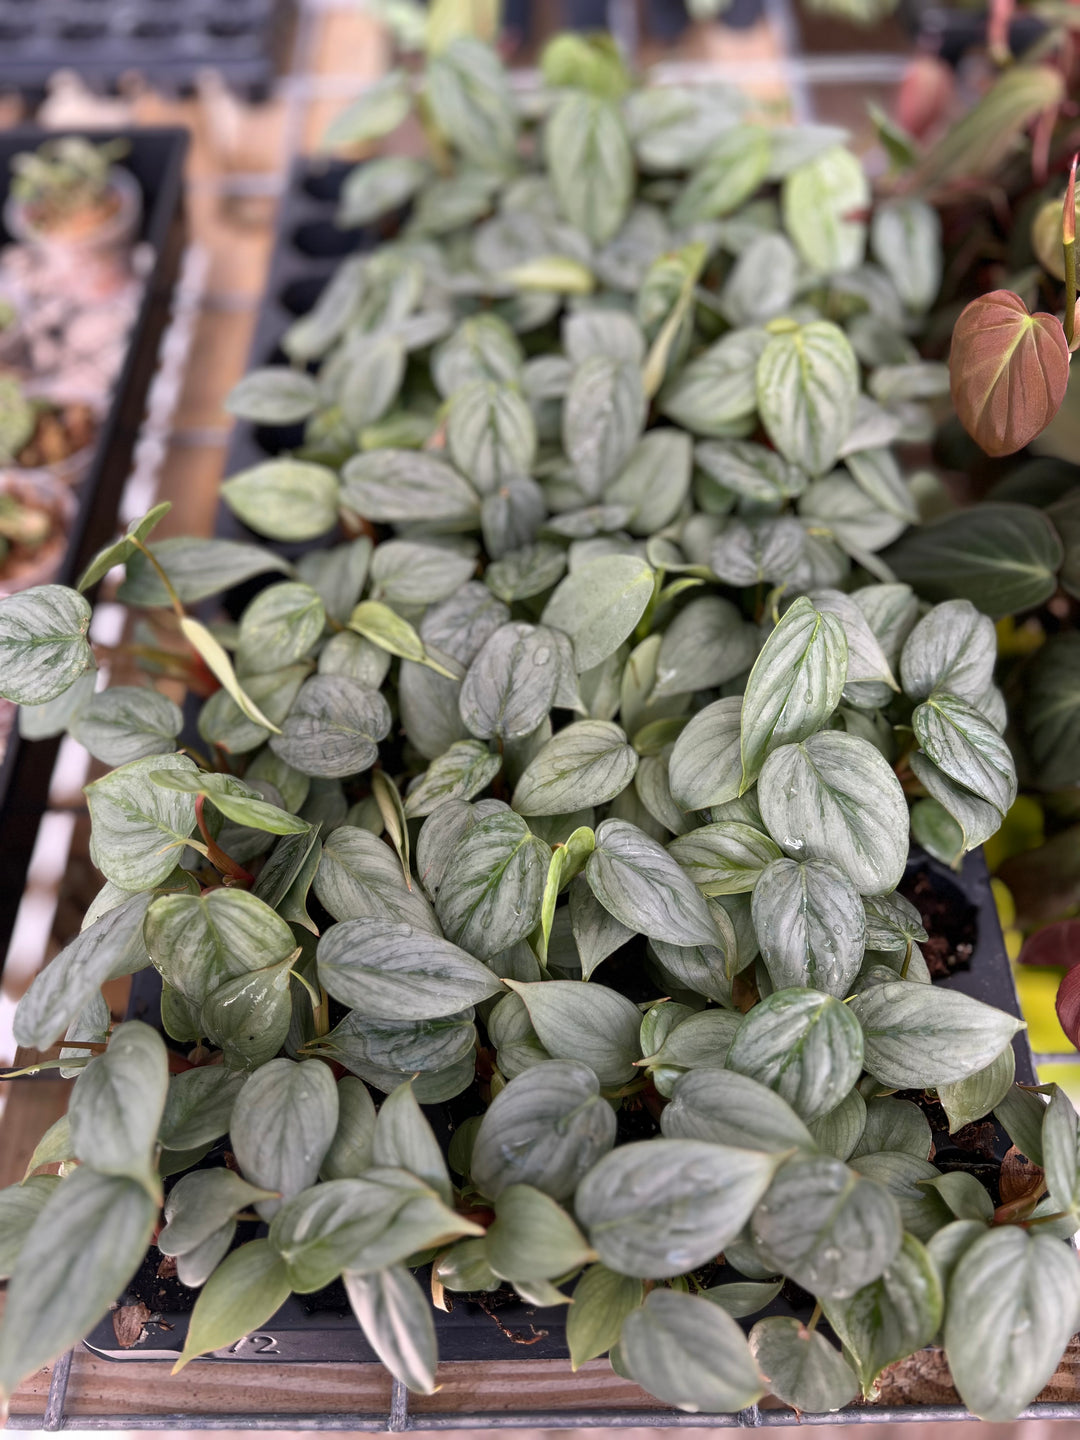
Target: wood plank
(498,1386)
(32,1107)
(103,1387)
(219,355)
(109,1387)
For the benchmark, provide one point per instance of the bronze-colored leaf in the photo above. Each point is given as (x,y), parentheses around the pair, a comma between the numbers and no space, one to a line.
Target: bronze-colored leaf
(925,94)
(129,1321)
(1009,370)
(1021,1179)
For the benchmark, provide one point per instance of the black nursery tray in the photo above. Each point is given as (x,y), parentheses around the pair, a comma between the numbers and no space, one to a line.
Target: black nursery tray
(164,41)
(320,1327)
(308,249)
(156,159)
(309,246)
(954,31)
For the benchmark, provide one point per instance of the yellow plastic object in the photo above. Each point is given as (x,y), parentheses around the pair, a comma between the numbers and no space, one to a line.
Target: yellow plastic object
(1022,829)
(1006,905)
(1022,639)
(1067,1076)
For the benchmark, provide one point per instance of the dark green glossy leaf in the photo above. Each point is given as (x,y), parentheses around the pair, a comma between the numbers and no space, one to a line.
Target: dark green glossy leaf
(794,687)
(690,1354)
(645,889)
(546,1129)
(43,643)
(800,1366)
(891,1317)
(82,1250)
(828,1228)
(803,1044)
(660,1207)
(834,798)
(586,1022)
(918,1036)
(1013,1302)
(394,972)
(810,925)
(1003,558)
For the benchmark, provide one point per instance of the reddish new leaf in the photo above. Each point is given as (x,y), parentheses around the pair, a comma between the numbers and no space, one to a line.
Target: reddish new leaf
(1009,370)
(1068,1005)
(1054,945)
(925,95)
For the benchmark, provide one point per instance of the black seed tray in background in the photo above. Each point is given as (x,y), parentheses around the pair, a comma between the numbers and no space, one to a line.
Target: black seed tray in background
(167,42)
(308,248)
(321,1326)
(156,159)
(954,32)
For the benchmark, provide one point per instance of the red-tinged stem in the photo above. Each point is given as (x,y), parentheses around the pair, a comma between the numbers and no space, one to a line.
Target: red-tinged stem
(1016,1210)
(225,863)
(1068,240)
(997,35)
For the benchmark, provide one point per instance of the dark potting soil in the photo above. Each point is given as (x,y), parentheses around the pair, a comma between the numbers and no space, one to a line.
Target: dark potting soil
(948,918)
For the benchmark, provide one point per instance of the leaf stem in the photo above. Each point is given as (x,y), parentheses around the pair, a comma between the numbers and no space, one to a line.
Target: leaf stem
(1068,239)
(174,599)
(322,1014)
(214,853)
(1048,1219)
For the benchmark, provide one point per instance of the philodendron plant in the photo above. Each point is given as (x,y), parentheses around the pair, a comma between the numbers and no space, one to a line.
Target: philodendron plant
(570,789)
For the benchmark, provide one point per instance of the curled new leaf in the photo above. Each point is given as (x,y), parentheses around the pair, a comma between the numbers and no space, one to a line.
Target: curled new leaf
(1009,370)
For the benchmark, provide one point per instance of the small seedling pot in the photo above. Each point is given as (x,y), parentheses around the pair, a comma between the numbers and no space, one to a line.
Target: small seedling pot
(100,255)
(12,336)
(74,468)
(23,566)
(92,478)
(71,470)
